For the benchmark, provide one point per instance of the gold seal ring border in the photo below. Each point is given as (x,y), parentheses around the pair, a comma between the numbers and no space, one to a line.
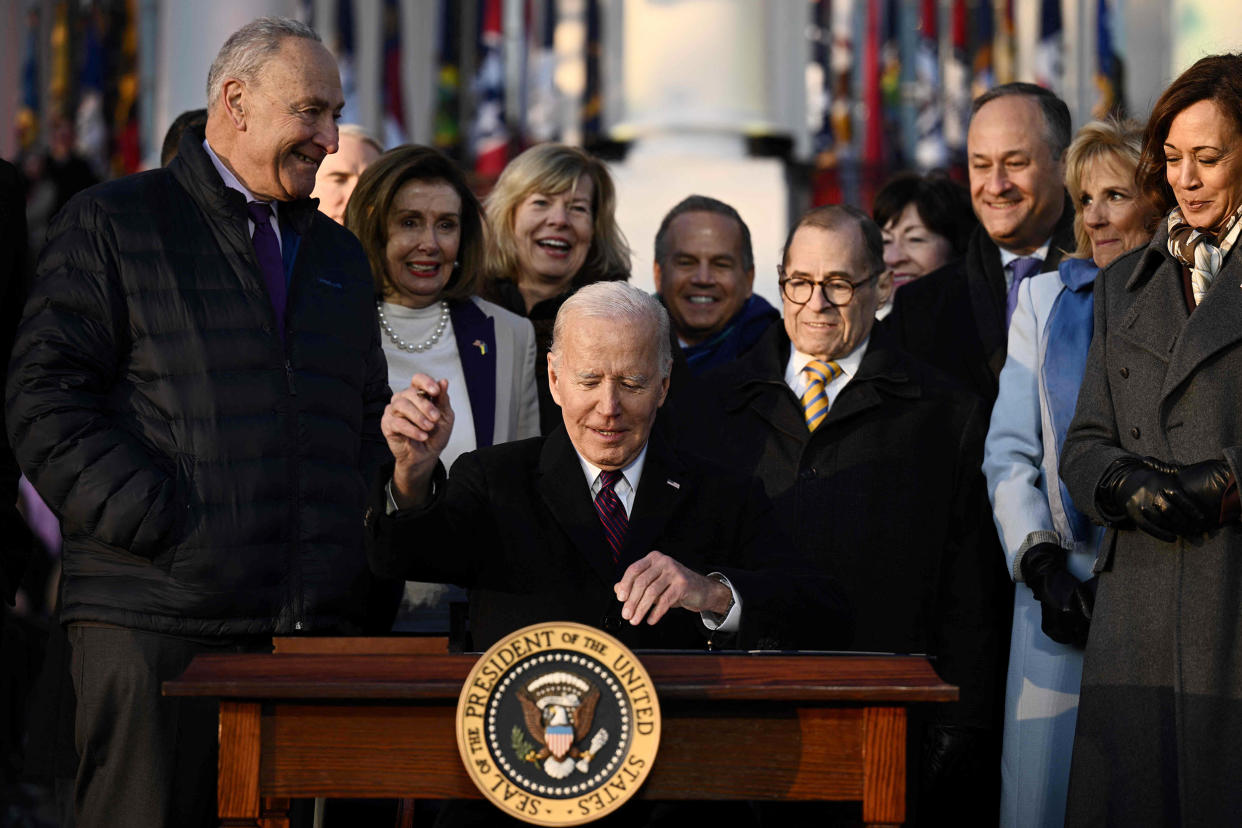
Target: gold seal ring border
(643,749)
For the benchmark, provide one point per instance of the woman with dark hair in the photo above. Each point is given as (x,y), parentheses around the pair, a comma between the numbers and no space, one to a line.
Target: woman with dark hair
(1049,546)
(553,229)
(423,233)
(926,221)
(1153,453)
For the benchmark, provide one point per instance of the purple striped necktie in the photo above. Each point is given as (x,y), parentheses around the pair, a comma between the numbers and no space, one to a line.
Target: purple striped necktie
(1021,268)
(612,512)
(267,250)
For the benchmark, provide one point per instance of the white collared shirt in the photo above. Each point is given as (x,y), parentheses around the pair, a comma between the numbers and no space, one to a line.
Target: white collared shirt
(626,488)
(1008,256)
(233,183)
(797,380)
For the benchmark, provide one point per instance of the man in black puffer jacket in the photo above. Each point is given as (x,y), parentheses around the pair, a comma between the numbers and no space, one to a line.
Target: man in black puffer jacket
(196,389)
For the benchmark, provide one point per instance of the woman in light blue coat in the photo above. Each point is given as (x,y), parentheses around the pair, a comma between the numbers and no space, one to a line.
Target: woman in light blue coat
(1049,546)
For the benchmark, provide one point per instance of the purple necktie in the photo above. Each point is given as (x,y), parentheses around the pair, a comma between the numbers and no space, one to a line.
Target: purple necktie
(1023,268)
(268,252)
(612,512)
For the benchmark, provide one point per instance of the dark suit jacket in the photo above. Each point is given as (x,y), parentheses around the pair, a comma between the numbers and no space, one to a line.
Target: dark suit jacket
(954,318)
(515,524)
(887,497)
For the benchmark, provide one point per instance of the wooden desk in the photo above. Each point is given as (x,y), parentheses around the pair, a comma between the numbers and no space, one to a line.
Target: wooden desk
(736,726)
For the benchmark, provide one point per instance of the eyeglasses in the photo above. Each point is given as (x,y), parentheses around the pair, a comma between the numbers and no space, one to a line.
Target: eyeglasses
(836,292)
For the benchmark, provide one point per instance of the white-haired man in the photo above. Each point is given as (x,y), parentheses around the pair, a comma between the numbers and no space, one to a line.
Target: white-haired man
(602,521)
(196,391)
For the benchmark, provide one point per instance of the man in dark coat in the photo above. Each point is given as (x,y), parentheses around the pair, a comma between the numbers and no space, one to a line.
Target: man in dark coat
(872,461)
(516,523)
(957,318)
(704,273)
(195,390)
(602,522)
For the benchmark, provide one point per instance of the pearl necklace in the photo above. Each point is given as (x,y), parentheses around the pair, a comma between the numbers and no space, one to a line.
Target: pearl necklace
(414,347)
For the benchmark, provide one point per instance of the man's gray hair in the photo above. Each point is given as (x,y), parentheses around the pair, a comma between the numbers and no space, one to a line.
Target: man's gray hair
(362,134)
(1057,127)
(618,302)
(248,49)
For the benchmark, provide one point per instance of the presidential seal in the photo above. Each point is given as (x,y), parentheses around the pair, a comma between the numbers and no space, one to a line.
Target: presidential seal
(558,724)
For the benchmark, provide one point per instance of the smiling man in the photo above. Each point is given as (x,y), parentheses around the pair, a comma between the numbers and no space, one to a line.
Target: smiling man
(602,521)
(704,271)
(872,460)
(957,318)
(196,392)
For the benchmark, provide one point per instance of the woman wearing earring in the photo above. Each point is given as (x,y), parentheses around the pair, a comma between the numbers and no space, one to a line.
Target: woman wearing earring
(1050,546)
(423,233)
(553,229)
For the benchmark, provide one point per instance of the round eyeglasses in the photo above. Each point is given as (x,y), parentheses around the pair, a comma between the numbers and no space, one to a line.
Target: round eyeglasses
(836,292)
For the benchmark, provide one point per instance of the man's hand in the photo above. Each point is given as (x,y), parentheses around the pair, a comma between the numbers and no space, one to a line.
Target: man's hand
(417,424)
(657,583)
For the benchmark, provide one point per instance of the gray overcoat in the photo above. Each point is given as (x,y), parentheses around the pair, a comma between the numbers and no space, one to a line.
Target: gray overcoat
(1159,739)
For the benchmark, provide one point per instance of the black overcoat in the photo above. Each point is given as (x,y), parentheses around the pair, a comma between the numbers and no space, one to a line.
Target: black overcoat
(1159,737)
(954,318)
(886,496)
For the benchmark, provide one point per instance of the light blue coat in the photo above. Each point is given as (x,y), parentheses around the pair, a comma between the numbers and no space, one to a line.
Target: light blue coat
(1041,690)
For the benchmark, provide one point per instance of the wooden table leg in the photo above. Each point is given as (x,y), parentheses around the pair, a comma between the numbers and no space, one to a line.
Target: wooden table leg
(275,812)
(405,813)
(237,786)
(884,766)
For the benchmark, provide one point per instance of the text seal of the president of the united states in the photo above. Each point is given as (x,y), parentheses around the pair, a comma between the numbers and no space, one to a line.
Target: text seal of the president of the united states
(558,724)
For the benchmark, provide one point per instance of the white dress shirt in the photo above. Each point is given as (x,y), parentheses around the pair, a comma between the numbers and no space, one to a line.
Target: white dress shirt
(233,183)
(626,488)
(797,380)
(1007,257)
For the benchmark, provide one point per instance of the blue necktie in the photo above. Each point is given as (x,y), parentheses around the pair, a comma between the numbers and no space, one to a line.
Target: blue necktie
(612,512)
(1023,268)
(267,250)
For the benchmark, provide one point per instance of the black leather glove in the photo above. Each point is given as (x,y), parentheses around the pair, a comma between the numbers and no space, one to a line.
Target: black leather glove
(1206,483)
(1064,617)
(1149,493)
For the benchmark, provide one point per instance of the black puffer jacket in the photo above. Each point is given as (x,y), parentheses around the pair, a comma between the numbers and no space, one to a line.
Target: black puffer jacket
(210,476)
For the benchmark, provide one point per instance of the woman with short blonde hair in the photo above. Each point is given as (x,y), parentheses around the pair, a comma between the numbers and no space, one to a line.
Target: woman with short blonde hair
(553,229)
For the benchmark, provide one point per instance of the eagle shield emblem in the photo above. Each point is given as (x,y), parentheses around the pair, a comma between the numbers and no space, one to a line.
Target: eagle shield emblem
(558,709)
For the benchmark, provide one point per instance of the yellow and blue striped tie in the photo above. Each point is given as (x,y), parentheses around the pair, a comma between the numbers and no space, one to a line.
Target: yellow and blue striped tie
(815,398)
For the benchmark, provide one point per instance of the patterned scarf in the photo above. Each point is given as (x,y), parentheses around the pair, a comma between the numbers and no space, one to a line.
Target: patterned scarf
(1199,250)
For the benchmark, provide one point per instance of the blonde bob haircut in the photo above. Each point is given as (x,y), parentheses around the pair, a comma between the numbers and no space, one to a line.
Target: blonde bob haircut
(1115,141)
(552,169)
(366,214)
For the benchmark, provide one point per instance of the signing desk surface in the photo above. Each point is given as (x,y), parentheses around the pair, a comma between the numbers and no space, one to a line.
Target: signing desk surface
(373,718)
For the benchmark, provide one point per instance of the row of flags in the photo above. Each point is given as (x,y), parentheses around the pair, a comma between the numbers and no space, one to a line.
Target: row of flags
(886,100)
(914,92)
(89,79)
(481,116)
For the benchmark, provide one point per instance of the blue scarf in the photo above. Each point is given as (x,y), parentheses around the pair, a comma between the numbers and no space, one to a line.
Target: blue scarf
(1068,334)
(738,337)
